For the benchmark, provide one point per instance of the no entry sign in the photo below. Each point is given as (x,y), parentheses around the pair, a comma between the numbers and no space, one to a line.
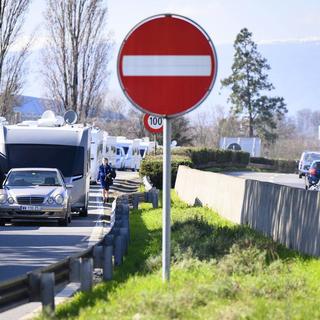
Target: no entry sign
(167,65)
(153,124)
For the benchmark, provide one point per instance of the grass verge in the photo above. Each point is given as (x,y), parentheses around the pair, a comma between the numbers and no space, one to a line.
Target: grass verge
(219,271)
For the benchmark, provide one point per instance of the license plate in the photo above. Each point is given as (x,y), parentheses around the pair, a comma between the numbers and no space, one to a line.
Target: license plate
(30,208)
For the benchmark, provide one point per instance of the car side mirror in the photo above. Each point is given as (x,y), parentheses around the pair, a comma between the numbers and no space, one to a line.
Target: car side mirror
(69,186)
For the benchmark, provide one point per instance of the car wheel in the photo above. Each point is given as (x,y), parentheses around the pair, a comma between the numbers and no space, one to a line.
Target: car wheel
(64,222)
(300,175)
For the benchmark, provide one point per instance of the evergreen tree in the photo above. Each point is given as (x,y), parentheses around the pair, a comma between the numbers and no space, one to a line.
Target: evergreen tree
(249,85)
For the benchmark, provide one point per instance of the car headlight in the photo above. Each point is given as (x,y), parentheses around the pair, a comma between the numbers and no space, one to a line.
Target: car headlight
(50,200)
(3,198)
(10,200)
(59,199)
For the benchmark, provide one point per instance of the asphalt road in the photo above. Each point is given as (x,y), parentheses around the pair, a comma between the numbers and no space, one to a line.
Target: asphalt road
(25,246)
(291,180)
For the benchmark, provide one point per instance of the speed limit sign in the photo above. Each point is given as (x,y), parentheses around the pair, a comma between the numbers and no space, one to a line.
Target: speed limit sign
(153,124)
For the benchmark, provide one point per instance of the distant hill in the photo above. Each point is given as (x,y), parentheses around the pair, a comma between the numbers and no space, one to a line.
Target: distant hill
(33,107)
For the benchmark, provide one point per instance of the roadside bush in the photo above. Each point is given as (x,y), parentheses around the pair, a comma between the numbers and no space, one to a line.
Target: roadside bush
(285,166)
(192,157)
(152,167)
(282,166)
(261,160)
(204,156)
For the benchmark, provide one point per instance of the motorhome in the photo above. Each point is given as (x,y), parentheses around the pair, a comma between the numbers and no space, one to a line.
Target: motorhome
(66,148)
(96,153)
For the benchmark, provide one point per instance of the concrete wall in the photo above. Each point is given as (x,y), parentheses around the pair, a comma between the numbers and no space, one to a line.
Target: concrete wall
(289,215)
(224,194)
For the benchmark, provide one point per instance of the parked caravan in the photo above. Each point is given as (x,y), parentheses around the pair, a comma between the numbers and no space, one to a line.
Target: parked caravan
(110,148)
(126,145)
(136,158)
(120,158)
(66,148)
(96,153)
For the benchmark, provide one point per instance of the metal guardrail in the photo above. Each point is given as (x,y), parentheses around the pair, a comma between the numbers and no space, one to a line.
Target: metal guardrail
(41,284)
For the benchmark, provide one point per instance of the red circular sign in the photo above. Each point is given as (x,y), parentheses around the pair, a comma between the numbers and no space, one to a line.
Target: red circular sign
(167,65)
(153,124)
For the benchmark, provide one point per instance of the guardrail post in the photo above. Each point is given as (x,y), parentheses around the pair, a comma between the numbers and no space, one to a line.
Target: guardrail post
(126,224)
(74,265)
(97,256)
(125,242)
(155,198)
(135,201)
(107,262)
(86,274)
(118,251)
(34,286)
(47,292)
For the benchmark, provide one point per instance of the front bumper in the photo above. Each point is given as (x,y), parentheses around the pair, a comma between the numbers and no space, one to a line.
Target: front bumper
(16,211)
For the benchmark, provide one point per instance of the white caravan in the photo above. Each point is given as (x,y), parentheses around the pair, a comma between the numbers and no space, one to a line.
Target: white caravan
(136,158)
(131,151)
(126,145)
(146,147)
(66,148)
(95,153)
(120,159)
(110,149)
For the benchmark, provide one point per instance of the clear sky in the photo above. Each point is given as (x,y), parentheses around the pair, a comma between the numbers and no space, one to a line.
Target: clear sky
(271,21)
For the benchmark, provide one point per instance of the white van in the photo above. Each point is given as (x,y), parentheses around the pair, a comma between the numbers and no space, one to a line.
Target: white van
(306,160)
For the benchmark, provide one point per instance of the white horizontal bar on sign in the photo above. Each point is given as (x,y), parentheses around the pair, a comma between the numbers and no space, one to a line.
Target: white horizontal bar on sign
(166,65)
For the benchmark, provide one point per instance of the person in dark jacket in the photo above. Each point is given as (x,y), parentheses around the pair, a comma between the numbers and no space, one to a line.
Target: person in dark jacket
(104,176)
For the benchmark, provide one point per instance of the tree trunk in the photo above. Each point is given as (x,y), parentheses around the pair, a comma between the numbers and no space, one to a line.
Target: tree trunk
(250,126)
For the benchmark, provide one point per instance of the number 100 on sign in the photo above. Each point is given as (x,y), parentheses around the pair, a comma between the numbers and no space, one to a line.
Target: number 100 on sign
(153,124)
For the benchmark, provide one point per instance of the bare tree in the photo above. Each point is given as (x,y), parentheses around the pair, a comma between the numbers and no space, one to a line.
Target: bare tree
(12,13)
(77,55)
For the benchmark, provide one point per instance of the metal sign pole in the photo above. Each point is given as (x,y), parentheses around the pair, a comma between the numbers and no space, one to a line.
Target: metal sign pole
(166,200)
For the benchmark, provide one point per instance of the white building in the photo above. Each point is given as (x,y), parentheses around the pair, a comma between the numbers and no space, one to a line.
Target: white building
(251,145)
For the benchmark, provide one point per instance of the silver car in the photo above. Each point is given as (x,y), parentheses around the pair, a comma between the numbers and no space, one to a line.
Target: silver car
(33,193)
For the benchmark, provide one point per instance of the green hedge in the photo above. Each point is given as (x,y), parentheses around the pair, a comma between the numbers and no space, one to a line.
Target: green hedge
(203,156)
(193,157)
(285,166)
(152,166)
(282,166)
(261,160)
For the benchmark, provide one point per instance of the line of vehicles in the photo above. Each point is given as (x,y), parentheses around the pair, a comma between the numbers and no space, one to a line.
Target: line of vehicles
(46,166)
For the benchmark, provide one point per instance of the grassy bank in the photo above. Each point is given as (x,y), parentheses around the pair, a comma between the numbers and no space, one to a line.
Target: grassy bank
(219,271)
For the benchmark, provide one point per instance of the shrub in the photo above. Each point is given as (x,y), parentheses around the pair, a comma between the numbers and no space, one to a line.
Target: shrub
(203,156)
(192,157)
(261,160)
(283,166)
(152,167)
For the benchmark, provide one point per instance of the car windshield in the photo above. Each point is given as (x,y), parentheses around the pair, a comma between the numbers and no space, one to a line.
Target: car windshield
(310,157)
(33,178)
(68,159)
